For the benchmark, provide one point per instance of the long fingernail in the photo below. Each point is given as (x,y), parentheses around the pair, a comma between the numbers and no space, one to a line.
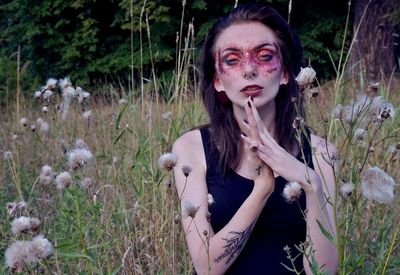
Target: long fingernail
(245,121)
(249,104)
(244,134)
(252,98)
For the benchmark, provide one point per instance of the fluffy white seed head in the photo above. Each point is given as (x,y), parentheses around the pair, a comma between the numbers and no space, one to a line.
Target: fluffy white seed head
(51,83)
(64,83)
(86,183)
(386,111)
(189,209)
(78,158)
(47,94)
(359,134)
(346,189)
(23,122)
(45,110)
(16,256)
(40,248)
(44,126)
(63,180)
(306,76)
(87,115)
(7,155)
(167,161)
(37,94)
(292,191)
(377,185)
(46,170)
(81,144)
(23,225)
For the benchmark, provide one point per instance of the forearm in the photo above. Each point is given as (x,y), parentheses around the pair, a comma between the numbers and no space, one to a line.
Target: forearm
(324,250)
(224,247)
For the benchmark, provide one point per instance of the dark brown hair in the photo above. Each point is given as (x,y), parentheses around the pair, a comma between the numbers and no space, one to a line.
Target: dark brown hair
(225,131)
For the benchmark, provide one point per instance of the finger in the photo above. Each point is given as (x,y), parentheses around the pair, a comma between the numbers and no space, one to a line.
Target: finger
(251,144)
(252,124)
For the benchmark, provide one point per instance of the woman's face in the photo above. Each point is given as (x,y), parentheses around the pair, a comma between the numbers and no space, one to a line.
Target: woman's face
(248,63)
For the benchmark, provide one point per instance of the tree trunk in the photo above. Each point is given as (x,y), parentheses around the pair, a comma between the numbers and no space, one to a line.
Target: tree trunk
(373,49)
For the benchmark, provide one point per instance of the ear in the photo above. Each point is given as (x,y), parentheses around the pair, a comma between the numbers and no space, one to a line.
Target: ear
(218,86)
(285,78)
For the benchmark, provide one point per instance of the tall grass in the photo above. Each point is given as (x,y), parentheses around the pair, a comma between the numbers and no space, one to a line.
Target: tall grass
(125,223)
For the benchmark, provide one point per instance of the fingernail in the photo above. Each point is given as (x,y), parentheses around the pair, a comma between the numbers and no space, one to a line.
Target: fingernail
(244,134)
(249,104)
(252,98)
(245,121)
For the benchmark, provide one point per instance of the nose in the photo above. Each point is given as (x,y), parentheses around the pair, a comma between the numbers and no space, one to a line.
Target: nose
(249,70)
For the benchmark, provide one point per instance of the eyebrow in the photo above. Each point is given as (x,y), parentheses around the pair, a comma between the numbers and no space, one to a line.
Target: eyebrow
(233,49)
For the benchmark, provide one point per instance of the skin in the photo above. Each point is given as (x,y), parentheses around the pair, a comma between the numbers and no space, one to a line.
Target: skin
(241,50)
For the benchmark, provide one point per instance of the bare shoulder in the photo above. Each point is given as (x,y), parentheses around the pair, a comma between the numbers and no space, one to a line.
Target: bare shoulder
(189,149)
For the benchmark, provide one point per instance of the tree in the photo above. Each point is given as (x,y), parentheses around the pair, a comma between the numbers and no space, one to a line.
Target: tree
(373,50)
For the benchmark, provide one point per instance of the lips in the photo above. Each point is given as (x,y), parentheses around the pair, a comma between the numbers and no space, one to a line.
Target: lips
(251,90)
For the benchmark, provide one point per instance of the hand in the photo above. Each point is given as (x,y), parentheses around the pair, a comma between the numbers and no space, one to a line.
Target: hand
(277,158)
(258,170)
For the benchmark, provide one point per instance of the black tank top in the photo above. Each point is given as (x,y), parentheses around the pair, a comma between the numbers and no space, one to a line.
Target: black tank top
(280,223)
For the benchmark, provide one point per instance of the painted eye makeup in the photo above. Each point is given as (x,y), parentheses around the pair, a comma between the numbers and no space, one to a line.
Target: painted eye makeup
(230,59)
(265,55)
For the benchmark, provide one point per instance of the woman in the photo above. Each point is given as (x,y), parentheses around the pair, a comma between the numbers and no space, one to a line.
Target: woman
(249,151)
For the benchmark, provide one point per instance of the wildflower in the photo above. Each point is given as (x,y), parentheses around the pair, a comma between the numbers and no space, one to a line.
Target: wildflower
(386,111)
(186,170)
(44,126)
(377,185)
(23,225)
(292,191)
(189,210)
(167,115)
(297,122)
(37,94)
(63,180)
(45,109)
(346,189)
(86,115)
(47,94)
(359,134)
(64,83)
(40,248)
(23,122)
(7,155)
(80,144)
(86,183)
(16,256)
(78,158)
(122,101)
(210,199)
(305,77)
(167,161)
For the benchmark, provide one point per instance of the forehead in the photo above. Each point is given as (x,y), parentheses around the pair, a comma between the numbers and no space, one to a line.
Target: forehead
(245,35)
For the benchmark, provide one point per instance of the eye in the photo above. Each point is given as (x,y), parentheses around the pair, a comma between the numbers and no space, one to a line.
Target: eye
(265,56)
(231,60)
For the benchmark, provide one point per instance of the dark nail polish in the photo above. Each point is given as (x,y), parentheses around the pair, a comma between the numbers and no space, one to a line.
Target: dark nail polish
(244,134)
(248,103)
(245,121)
(252,98)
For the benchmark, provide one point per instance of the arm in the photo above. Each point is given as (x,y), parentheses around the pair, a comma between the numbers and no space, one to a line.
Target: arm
(215,254)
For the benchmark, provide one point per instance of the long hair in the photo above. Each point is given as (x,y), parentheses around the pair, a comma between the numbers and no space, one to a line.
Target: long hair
(224,130)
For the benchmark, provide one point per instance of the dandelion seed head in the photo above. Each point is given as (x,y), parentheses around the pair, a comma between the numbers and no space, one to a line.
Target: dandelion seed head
(167,161)
(189,209)
(46,170)
(63,180)
(40,248)
(45,109)
(16,256)
(44,126)
(377,185)
(346,189)
(186,170)
(51,83)
(45,180)
(33,127)
(292,191)
(64,83)
(386,111)
(68,93)
(86,183)
(83,96)
(87,115)
(210,199)
(78,158)
(47,94)
(306,76)
(23,122)
(23,225)
(37,94)
(7,155)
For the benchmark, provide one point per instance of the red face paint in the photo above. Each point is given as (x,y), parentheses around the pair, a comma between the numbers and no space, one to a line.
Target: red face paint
(264,59)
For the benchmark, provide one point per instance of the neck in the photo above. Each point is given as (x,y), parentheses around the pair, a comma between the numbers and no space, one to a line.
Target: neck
(267,114)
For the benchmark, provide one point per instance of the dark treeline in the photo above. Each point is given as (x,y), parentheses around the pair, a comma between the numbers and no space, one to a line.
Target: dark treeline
(90,40)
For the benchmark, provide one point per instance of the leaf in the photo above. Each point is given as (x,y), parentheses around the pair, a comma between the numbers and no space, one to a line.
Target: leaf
(326,233)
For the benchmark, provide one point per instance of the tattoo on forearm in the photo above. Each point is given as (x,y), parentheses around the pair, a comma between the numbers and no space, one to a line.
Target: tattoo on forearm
(235,244)
(258,170)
